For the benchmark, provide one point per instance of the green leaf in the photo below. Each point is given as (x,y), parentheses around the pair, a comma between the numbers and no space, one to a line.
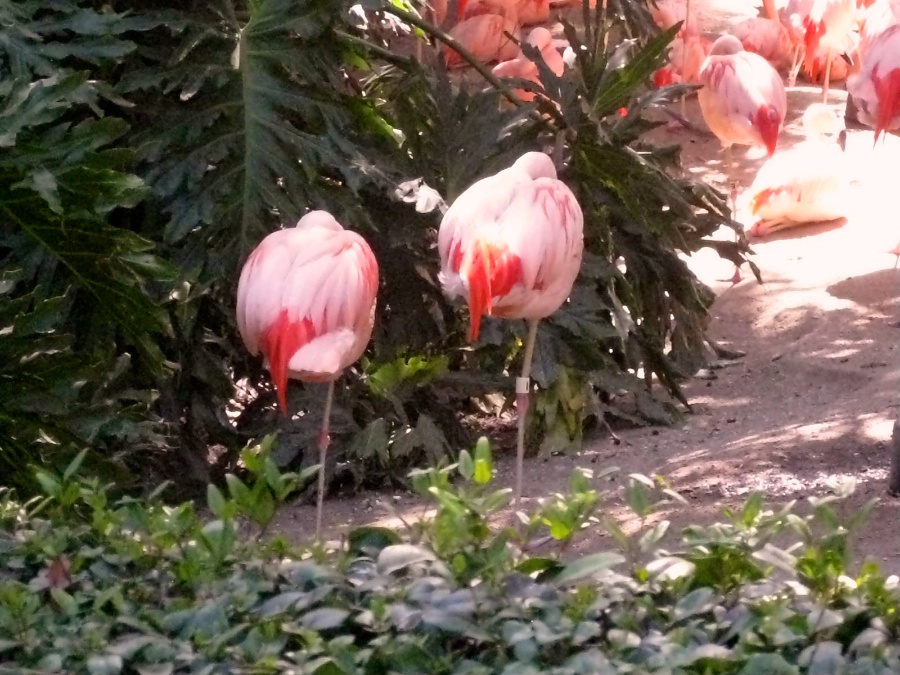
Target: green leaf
(110,664)
(466,466)
(698,601)
(399,556)
(325,618)
(768,664)
(587,566)
(371,540)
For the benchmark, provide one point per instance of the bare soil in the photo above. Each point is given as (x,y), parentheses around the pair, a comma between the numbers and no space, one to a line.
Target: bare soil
(813,399)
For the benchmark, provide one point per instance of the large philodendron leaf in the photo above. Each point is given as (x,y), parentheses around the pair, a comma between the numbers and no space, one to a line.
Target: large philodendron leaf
(240,121)
(58,184)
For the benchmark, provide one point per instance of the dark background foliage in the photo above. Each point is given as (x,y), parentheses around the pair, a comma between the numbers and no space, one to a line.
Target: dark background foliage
(147,148)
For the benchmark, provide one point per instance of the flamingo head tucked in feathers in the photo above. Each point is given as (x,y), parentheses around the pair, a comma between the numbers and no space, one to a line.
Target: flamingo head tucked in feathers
(536,165)
(726,45)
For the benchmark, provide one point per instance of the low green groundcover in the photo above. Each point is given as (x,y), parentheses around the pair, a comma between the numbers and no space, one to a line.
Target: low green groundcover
(93,585)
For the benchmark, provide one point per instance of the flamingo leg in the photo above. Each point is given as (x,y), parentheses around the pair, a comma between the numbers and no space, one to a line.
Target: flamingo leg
(732,201)
(523,400)
(795,66)
(827,76)
(896,253)
(684,34)
(324,441)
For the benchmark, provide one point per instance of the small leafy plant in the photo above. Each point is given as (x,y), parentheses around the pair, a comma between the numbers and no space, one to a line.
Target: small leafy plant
(93,585)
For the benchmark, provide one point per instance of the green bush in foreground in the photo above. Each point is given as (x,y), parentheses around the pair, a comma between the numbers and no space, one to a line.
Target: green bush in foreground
(88,585)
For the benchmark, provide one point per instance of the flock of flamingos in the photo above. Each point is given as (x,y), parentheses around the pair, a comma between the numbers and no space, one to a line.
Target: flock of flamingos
(511,245)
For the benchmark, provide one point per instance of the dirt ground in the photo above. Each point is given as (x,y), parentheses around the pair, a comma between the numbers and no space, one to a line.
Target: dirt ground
(814,398)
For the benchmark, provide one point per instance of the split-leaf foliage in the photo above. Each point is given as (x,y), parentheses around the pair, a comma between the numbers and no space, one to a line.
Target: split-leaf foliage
(147,147)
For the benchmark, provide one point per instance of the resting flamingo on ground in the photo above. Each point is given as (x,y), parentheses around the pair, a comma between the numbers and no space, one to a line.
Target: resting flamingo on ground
(306,301)
(809,183)
(511,246)
(743,102)
(524,68)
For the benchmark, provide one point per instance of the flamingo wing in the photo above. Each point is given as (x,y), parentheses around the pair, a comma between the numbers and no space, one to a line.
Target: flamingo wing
(876,89)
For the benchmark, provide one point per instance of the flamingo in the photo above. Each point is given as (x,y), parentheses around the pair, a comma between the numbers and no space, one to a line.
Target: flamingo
(793,19)
(526,69)
(686,56)
(828,27)
(483,32)
(875,90)
(666,13)
(511,245)
(808,183)
(770,39)
(306,301)
(743,102)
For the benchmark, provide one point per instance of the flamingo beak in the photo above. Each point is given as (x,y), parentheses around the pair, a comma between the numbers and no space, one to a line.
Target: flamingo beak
(842,140)
(849,59)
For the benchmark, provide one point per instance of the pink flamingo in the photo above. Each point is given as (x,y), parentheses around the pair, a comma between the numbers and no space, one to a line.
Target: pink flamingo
(482,31)
(808,183)
(306,300)
(686,56)
(876,88)
(828,27)
(524,68)
(511,245)
(743,102)
(770,39)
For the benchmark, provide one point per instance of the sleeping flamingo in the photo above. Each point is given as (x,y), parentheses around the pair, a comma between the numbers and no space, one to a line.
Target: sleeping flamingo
(743,102)
(511,245)
(306,300)
(808,183)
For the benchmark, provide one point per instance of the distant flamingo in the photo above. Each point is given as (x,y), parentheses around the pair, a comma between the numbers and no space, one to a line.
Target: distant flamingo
(482,31)
(770,39)
(666,13)
(743,102)
(686,56)
(794,20)
(875,90)
(306,300)
(511,245)
(808,183)
(828,27)
(524,68)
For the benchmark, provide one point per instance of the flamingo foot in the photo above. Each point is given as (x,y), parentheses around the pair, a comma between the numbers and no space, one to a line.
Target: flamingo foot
(896,253)
(736,278)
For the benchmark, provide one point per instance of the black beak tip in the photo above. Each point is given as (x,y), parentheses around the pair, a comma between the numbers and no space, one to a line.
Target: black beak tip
(847,58)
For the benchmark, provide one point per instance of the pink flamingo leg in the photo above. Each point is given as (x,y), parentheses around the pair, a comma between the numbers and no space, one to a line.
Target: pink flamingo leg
(523,401)
(324,441)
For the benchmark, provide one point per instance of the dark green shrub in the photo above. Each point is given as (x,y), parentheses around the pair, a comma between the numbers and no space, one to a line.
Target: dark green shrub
(90,585)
